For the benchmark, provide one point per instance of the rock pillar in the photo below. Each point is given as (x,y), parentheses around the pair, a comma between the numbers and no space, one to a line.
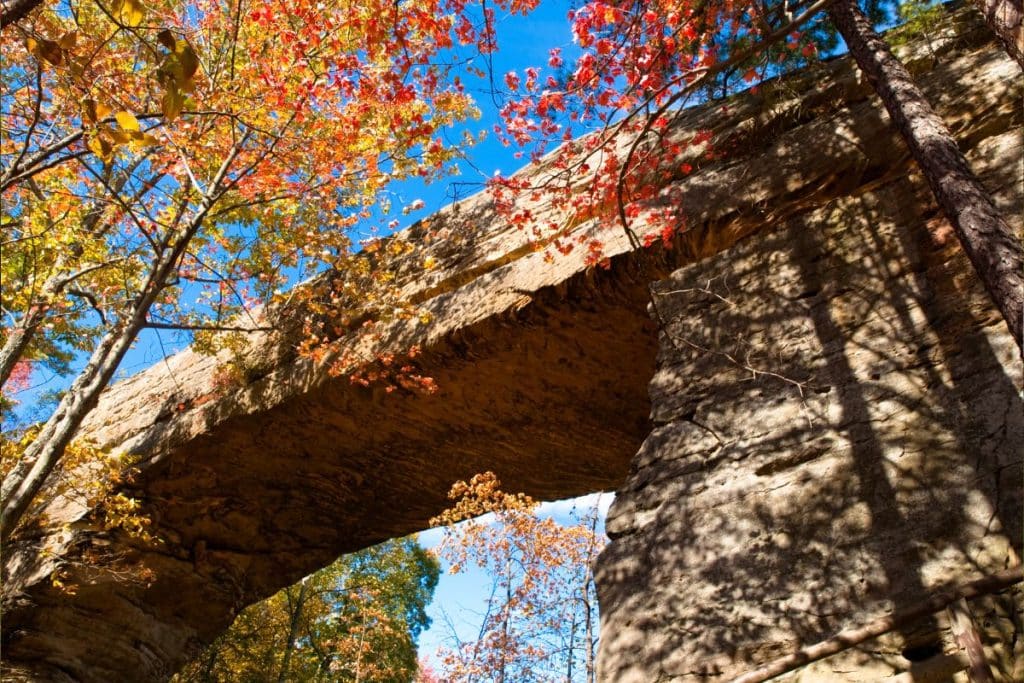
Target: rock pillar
(838,431)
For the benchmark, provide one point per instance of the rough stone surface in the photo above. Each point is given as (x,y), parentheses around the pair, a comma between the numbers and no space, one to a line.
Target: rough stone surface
(838,428)
(542,368)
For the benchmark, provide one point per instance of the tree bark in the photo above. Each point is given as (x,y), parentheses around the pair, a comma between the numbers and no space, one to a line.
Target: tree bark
(94,227)
(16,10)
(987,239)
(293,628)
(22,483)
(1004,18)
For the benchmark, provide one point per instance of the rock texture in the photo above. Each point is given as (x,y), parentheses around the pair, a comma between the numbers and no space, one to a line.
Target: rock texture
(838,430)
(542,369)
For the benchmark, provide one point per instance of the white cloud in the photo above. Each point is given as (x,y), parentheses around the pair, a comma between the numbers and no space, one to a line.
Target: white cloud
(561,509)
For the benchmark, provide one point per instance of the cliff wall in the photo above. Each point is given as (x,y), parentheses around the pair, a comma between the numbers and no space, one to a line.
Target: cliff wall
(542,369)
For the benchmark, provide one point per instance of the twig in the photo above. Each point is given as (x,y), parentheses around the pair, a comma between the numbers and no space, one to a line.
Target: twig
(91,298)
(152,324)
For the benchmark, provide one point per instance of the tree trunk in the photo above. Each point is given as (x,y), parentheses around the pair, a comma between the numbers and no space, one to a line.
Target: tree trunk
(211,662)
(93,227)
(986,238)
(589,632)
(293,629)
(1004,18)
(17,341)
(967,637)
(572,644)
(22,483)
(506,618)
(852,637)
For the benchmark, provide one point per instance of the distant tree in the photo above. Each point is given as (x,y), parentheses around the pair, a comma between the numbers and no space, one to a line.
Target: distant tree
(356,620)
(426,673)
(540,620)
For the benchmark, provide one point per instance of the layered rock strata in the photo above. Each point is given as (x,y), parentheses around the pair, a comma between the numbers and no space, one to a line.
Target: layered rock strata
(542,368)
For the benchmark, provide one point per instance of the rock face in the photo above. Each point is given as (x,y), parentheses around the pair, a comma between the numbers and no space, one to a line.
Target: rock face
(838,430)
(904,479)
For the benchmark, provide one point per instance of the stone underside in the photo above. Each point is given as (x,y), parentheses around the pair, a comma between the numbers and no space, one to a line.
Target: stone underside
(543,370)
(838,430)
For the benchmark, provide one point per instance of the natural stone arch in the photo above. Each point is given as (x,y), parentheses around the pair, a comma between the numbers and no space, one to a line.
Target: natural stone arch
(542,369)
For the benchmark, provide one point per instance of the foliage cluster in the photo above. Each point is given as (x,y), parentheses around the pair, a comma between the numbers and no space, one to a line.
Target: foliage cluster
(540,619)
(357,619)
(171,167)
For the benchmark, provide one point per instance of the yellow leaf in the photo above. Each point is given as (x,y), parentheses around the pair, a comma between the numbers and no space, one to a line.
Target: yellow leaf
(120,137)
(129,12)
(127,121)
(45,49)
(68,40)
(89,110)
(139,140)
(93,112)
(188,59)
(101,147)
(77,66)
(172,104)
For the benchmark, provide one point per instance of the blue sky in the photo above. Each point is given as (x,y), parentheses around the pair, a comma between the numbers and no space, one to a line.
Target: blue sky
(524,41)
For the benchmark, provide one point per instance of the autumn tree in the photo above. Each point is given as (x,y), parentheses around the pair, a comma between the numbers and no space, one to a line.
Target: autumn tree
(173,166)
(540,620)
(357,619)
(614,105)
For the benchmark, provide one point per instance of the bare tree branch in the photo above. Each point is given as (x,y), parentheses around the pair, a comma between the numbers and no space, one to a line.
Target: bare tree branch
(185,327)
(846,639)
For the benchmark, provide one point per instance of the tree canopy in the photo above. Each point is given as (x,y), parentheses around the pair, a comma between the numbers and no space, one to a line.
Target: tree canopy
(540,620)
(357,619)
(174,165)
